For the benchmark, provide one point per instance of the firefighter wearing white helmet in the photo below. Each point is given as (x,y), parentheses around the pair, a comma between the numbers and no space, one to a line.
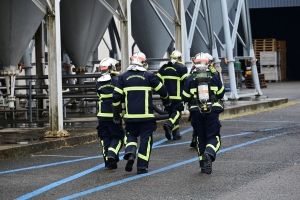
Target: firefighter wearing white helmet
(108,68)
(172,75)
(138,62)
(176,56)
(135,89)
(111,136)
(203,90)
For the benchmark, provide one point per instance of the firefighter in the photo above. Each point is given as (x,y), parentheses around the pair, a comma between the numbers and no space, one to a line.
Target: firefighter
(203,90)
(135,86)
(111,135)
(172,75)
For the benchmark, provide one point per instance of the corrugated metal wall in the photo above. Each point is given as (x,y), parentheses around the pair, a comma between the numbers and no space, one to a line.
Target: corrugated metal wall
(272,3)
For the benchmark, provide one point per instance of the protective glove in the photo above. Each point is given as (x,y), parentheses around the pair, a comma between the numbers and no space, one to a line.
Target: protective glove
(116,114)
(166,102)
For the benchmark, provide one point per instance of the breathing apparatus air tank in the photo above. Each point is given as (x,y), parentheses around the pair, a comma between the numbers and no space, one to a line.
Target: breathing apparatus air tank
(202,78)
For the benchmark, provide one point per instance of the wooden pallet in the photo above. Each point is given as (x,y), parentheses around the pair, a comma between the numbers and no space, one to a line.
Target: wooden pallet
(265,48)
(249,81)
(267,41)
(269,44)
(281,48)
(252,86)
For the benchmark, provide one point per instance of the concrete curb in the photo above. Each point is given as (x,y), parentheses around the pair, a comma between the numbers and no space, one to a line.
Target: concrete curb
(18,150)
(242,107)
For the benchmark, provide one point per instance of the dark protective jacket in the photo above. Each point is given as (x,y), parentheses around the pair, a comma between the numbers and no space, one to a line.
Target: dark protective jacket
(136,89)
(105,93)
(173,76)
(189,93)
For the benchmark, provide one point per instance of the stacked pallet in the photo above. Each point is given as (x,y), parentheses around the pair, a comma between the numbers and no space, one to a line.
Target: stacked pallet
(281,49)
(249,81)
(278,47)
(260,45)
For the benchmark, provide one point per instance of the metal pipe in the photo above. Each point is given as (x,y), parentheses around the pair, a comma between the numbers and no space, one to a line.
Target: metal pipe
(46,96)
(125,31)
(161,117)
(40,62)
(83,95)
(22,87)
(229,49)
(94,75)
(37,110)
(30,99)
(159,111)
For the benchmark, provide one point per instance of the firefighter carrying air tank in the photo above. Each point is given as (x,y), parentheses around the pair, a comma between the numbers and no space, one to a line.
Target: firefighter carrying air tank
(203,90)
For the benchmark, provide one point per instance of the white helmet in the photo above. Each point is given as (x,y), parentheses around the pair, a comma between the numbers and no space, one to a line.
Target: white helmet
(175,56)
(202,61)
(138,58)
(108,65)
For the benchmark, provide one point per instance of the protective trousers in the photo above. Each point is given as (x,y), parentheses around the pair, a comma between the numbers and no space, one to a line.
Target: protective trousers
(174,111)
(145,131)
(207,129)
(111,138)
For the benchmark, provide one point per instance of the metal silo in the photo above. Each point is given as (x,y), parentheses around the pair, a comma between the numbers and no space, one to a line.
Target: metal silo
(83,24)
(19,21)
(199,41)
(151,30)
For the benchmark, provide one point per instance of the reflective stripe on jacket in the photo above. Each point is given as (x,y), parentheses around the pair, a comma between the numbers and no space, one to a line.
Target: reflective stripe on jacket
(135,87)
(173,76)
(105,93)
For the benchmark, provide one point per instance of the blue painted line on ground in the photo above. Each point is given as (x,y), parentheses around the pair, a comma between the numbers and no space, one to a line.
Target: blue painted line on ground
(256,121)
(58,183)
(78,160)
(222,137)
(272,129)
(238,134)
(78,175)
(55,184)
(163,169)
(251,142)
(173,144)
(49,165)
(154,144)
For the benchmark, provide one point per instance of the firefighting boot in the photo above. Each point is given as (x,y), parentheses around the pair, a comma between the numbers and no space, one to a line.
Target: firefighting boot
(112,162)
(201,163)
(207,163)
(168,131)
(129,164)
(107,166)
(142,170)
(176,135)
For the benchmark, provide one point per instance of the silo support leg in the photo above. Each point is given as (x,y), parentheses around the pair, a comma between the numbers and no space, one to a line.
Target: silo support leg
(55,82)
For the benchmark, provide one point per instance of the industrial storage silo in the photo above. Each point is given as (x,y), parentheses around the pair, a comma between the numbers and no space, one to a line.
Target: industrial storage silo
(19,21)
(83,24)
(216,19)
(149,29)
